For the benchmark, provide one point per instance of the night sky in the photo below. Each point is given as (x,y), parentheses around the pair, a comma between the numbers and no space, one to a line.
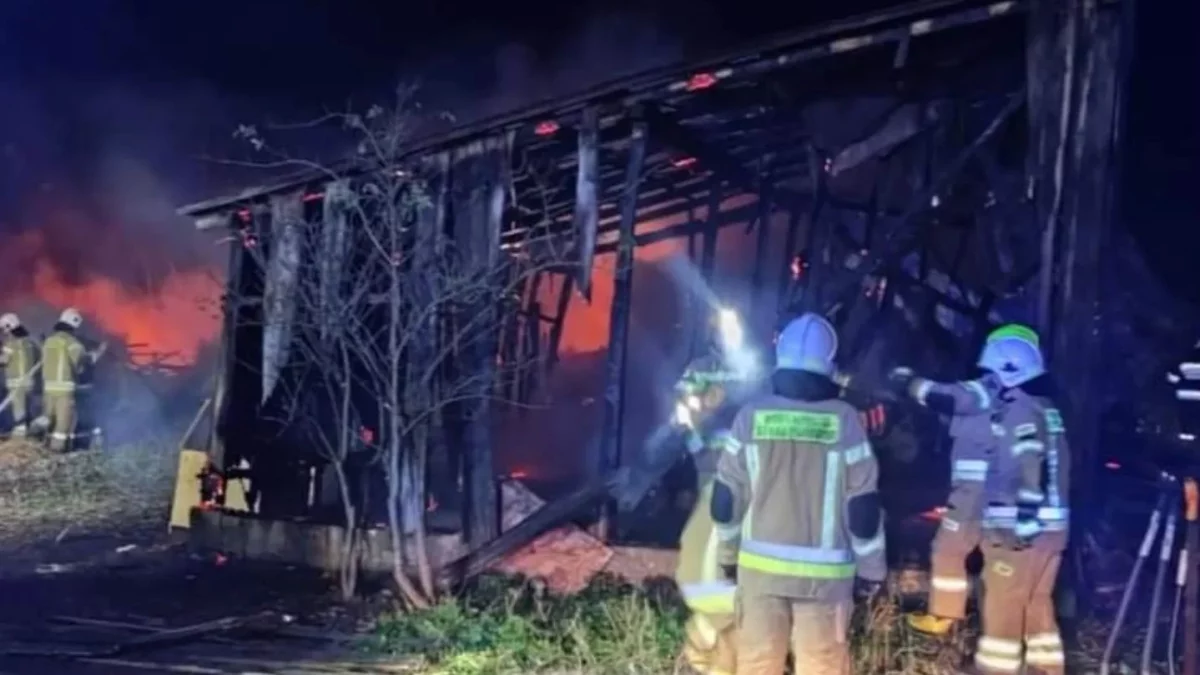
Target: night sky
(167,81)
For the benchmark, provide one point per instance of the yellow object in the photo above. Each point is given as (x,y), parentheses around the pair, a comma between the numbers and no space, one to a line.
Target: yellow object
(930,624)
(1191,499)
(187,489)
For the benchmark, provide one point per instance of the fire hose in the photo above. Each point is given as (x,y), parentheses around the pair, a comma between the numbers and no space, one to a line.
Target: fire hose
(8,399)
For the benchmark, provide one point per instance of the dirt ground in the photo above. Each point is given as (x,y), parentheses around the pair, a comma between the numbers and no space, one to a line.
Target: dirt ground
(88,574)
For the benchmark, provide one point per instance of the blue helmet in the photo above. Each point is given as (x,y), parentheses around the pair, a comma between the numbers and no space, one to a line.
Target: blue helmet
(1014,358)
(808,343)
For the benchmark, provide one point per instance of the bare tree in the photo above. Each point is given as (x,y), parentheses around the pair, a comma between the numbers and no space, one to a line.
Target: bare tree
(373,311)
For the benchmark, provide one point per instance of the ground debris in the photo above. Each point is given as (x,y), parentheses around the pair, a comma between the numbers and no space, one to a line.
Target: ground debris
(565,558)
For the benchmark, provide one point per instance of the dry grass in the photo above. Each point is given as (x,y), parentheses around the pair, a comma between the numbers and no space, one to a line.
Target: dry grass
(506,626)
(118,489)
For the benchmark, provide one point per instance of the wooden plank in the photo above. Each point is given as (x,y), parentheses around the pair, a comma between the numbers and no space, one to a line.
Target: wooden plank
(618,334)
(587,199)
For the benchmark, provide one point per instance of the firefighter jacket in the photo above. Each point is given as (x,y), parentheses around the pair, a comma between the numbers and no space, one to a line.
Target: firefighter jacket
(1034,475)
(63,357)
(804,516)
(974,441)
(19,356)
(704,588)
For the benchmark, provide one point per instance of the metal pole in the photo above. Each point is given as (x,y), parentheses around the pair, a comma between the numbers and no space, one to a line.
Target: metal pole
(1131,584)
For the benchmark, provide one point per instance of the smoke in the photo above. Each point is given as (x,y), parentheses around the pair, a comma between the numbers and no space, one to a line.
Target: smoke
(92,170)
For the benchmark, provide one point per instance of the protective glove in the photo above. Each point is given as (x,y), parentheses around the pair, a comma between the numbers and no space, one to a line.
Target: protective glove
(866,591)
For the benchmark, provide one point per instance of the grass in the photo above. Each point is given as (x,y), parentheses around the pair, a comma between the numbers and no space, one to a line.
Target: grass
(117,489)
(504,626)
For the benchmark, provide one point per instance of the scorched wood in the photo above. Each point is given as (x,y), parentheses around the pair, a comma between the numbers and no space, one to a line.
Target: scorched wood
(331,256)
(587,199)
(279,297)
(482,170)
(614,384)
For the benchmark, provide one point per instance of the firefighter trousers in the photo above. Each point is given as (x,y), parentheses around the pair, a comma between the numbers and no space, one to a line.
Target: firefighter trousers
(1018,612)
(60,411)
(949,586)
(709,644)
(815,633)
(19,407)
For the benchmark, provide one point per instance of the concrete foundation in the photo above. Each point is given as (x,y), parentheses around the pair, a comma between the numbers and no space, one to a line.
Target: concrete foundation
(305,544)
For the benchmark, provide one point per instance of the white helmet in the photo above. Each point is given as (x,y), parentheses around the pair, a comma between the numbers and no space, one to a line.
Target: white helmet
(71,317)
(1014,360)
(9,322)
(808,343)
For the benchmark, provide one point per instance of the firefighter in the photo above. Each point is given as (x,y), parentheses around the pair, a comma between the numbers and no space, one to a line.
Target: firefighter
(709,392)
(797,512)
(970,405)
(1026,520)
(18,355)
(63,359)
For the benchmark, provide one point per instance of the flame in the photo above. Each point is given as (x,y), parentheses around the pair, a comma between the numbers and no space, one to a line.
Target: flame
(586,327)
(169,325)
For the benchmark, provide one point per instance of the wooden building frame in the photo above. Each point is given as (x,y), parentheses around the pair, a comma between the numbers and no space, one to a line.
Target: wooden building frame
(971,80)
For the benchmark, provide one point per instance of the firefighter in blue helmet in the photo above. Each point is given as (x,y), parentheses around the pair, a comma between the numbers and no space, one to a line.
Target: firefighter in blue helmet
(797,512)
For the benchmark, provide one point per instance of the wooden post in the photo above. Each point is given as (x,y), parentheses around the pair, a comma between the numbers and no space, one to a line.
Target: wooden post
(485,175)
(614,385)
(1050,70)
(556,328)
(708,258)
(279,296)
(761,240)
(227,363)
(587,198)
(789,255)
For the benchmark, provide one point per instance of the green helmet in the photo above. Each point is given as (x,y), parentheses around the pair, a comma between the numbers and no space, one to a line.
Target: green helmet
(1014,330)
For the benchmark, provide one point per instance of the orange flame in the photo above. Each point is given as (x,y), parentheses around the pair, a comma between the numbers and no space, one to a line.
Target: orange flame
(170,324)
(586,327)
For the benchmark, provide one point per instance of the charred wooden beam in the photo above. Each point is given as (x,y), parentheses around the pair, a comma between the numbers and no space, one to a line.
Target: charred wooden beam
(227,361)
(786,275)
(676,135)
(587,198)
(614,386)
(1051,72)
(904,123)
(283,273)
(901,240)
(762,236)
(710,230)
(1078,209)
(484,171)
(560,318)
(428,247)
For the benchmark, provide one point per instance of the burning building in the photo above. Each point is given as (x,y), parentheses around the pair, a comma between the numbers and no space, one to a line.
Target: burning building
(916,174)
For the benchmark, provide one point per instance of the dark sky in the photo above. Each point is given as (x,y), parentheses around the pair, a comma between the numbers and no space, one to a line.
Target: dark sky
(169,79)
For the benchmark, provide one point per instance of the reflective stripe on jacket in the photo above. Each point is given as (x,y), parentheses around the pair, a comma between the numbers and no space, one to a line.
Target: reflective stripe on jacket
(20,356)
(792,467)
(974,443)
(1036,467)
(62,356)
